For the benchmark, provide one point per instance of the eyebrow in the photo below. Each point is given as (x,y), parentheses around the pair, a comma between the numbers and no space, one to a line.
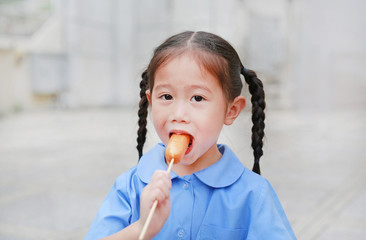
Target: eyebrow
(157,87)
(166,85)
(200,87)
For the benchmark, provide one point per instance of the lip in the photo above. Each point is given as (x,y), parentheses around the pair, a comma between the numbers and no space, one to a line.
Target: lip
(176,131)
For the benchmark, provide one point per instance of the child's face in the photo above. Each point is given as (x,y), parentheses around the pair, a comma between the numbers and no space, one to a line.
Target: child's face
(188,99)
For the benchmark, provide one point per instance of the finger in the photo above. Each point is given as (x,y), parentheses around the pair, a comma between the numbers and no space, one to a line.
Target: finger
(159,174)
(160,195)
(161,178)
(161,189)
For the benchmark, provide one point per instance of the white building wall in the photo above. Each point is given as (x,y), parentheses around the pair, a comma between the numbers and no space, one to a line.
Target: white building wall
(327,54)
(265,48)
(15,90)
(109,43)
(310,54)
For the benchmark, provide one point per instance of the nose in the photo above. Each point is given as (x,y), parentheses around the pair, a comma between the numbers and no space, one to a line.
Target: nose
(180,112)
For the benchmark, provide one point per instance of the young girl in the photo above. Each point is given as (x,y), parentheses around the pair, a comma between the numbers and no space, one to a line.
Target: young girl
(193,86)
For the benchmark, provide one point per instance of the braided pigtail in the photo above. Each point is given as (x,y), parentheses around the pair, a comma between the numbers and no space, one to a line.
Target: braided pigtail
(142,113)
(258,105)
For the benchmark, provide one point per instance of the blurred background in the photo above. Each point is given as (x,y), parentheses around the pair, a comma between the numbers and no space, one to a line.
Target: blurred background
(69,88)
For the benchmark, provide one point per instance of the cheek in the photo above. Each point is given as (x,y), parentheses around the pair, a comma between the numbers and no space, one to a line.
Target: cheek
(156,117)
(159,118)
(213,117)
(209,124)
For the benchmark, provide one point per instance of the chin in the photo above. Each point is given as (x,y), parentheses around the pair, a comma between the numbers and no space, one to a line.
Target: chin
(187,162)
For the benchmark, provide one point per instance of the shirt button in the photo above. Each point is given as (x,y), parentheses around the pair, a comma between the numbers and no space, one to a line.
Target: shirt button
(185,185)
(181,233)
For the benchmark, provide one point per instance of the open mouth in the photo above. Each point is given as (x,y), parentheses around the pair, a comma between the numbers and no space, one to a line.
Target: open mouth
(189,148)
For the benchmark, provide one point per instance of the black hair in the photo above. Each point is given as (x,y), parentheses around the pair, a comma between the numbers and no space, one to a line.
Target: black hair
(219,58)
(142,113)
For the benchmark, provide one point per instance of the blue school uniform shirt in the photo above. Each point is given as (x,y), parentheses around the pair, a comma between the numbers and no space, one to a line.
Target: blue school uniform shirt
(224,201)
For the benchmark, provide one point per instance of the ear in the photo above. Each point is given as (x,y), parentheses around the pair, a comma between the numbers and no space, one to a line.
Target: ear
(234,109)
(148,95)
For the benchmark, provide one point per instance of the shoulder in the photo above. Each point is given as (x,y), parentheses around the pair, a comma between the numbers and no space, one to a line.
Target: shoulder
(126,176)
(120,208)
(263,190)
(253,190)
(257,183)
(129,181)
(269,220)
(253,181)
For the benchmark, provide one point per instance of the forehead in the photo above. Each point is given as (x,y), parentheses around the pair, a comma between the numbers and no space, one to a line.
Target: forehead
(180,62)
(210,61)
(184,67)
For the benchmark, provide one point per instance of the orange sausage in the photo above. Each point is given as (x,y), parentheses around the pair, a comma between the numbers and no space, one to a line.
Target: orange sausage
(177,146)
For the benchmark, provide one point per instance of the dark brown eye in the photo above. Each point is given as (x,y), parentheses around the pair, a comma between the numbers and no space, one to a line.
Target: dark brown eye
(167,97)
(197,98)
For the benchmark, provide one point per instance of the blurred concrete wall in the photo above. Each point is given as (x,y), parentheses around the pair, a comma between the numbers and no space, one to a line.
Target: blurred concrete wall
(15,89)
(109,43)
(327,54)
(310,54)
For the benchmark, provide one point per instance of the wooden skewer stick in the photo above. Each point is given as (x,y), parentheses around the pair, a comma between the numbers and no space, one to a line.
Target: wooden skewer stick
(152,210)
(170,165)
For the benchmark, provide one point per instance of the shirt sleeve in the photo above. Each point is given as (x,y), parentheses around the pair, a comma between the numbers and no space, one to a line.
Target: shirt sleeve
(269,220)
(114,213)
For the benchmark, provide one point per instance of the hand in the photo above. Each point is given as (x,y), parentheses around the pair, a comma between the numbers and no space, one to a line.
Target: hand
(158,189)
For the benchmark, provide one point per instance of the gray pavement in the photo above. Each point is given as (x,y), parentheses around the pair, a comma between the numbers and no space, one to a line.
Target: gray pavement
(57,166)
